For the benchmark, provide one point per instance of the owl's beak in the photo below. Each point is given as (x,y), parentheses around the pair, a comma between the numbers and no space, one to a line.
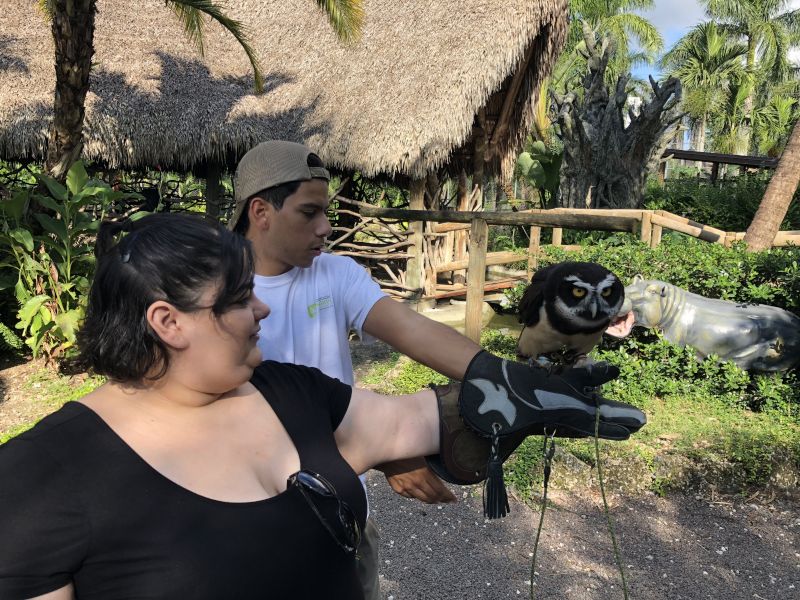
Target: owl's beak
(594,307)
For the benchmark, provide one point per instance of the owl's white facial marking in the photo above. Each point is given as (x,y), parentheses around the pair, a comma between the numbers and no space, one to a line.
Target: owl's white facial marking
(593,307)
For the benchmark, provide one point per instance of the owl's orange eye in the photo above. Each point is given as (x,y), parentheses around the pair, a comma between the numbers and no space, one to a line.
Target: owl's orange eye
(606,293)
(578,292)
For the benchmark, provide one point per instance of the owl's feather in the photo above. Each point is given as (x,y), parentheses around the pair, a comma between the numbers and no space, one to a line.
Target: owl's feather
(533,297)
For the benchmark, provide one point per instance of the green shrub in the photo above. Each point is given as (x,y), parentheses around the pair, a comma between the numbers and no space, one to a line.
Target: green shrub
(729,205)
(50,271)
(711,270)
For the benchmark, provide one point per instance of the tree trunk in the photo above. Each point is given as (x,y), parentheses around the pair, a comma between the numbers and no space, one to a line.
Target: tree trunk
(213,191)
(777,197)
(605,164)
(73,35)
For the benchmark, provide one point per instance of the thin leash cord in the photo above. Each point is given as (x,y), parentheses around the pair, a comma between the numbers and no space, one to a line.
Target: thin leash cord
(617,556)
(547,453)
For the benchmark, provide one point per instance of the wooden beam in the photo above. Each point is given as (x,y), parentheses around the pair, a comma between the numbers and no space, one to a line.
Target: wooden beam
(597,222)
(447,227)
(685,228)
(762,162)
(558,236)
(492,258)
(461,290)
(476,278)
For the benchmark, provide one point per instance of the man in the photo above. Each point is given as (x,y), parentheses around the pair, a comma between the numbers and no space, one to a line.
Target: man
(316,299)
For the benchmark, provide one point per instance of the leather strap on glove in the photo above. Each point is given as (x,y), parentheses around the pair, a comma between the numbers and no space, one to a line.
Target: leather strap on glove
(501,402)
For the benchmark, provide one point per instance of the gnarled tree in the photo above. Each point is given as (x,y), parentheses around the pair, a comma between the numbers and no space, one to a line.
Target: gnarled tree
(605,161)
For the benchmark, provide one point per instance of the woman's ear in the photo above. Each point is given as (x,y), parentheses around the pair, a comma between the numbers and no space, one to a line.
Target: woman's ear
(165,320)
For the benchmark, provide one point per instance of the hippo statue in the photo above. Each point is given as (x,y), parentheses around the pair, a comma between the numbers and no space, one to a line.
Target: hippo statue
(753,336)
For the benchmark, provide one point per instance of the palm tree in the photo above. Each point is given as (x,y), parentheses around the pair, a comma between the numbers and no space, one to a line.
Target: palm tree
(772,123)
(777,197)
(705,61)
(615,19)
(73,34)
(769,30)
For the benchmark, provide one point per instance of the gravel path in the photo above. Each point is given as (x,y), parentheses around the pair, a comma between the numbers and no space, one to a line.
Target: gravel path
(676,548)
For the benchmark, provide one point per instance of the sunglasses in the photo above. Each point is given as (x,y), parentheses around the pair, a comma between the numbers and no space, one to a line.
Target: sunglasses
(318,491)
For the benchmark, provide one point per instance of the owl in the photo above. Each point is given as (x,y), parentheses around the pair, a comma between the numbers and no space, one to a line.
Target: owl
(565,310)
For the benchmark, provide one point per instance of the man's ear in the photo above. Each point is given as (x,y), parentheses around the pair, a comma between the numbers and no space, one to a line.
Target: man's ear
(260,213)
(166,321)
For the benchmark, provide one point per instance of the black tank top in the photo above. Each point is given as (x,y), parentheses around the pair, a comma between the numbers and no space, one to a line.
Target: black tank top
(78,504)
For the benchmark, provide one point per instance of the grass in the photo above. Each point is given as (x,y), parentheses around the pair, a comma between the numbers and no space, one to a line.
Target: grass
(51,391)
(704,428)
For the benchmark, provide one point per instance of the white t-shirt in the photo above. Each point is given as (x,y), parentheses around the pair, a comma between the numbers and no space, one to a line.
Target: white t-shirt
(312,312)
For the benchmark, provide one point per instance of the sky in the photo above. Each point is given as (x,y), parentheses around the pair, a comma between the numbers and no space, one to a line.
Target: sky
(674,18)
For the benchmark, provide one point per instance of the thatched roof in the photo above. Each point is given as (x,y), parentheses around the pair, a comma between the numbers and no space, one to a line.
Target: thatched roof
(404,99)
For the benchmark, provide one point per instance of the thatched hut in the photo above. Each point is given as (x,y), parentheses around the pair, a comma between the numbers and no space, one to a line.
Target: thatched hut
(429,84)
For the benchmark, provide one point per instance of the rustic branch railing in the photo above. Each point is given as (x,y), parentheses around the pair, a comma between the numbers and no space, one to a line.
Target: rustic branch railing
(649,224)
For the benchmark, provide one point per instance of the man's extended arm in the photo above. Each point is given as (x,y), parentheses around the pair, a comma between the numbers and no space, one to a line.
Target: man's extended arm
(437,346)
(432,344)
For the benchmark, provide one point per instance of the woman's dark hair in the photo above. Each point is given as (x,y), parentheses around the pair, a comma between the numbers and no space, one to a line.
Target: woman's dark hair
(167,257)
(275,195)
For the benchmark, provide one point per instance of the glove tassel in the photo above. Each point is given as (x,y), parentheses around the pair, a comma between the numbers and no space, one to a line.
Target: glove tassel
(495,497)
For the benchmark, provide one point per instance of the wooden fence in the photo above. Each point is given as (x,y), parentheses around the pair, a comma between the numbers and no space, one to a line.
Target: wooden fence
(648,224)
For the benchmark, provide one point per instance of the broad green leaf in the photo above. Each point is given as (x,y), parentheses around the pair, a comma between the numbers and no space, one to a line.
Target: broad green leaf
(15,206)
(524,162)
(68,323)
(77,177)
(46,315)
(54,226)
(538,147)
(24,237)
(31,308)
(58,191)
(138,215)
(48,202)
(536,174)
(21,292)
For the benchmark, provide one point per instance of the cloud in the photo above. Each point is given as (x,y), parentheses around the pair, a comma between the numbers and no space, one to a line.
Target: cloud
(674,18)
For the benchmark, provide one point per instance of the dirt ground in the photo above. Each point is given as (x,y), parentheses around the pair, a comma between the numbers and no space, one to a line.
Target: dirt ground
(678,547)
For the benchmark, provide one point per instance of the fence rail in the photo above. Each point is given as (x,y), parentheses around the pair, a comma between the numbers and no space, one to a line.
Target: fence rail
(649,224)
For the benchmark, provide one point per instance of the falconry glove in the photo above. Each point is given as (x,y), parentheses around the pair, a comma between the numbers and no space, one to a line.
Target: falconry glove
(501,402)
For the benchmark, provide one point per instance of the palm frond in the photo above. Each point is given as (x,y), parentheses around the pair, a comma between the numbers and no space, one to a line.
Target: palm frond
(190,13)
(345,16)
(47,7)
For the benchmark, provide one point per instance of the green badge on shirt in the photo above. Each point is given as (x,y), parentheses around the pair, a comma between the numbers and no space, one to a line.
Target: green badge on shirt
(321,304)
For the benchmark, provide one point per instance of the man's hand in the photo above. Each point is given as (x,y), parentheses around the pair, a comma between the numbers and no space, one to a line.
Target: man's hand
(411,478)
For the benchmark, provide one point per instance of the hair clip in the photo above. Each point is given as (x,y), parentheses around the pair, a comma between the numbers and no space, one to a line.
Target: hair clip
(125,257)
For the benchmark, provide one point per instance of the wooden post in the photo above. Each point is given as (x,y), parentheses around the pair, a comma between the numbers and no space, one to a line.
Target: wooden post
(662,172)
(212,193)
(414,271)
(558,233)
(714,172)
(460,243)
(646,231)
(533,250)
(655,236)
(476,278)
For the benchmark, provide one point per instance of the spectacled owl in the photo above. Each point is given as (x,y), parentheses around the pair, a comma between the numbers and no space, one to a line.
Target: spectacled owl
(566,308)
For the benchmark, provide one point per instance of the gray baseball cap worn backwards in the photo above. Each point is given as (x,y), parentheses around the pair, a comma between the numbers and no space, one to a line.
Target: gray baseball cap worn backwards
(268,165)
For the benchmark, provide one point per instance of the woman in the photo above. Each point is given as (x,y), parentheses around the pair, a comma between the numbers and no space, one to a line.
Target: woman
(196,471)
